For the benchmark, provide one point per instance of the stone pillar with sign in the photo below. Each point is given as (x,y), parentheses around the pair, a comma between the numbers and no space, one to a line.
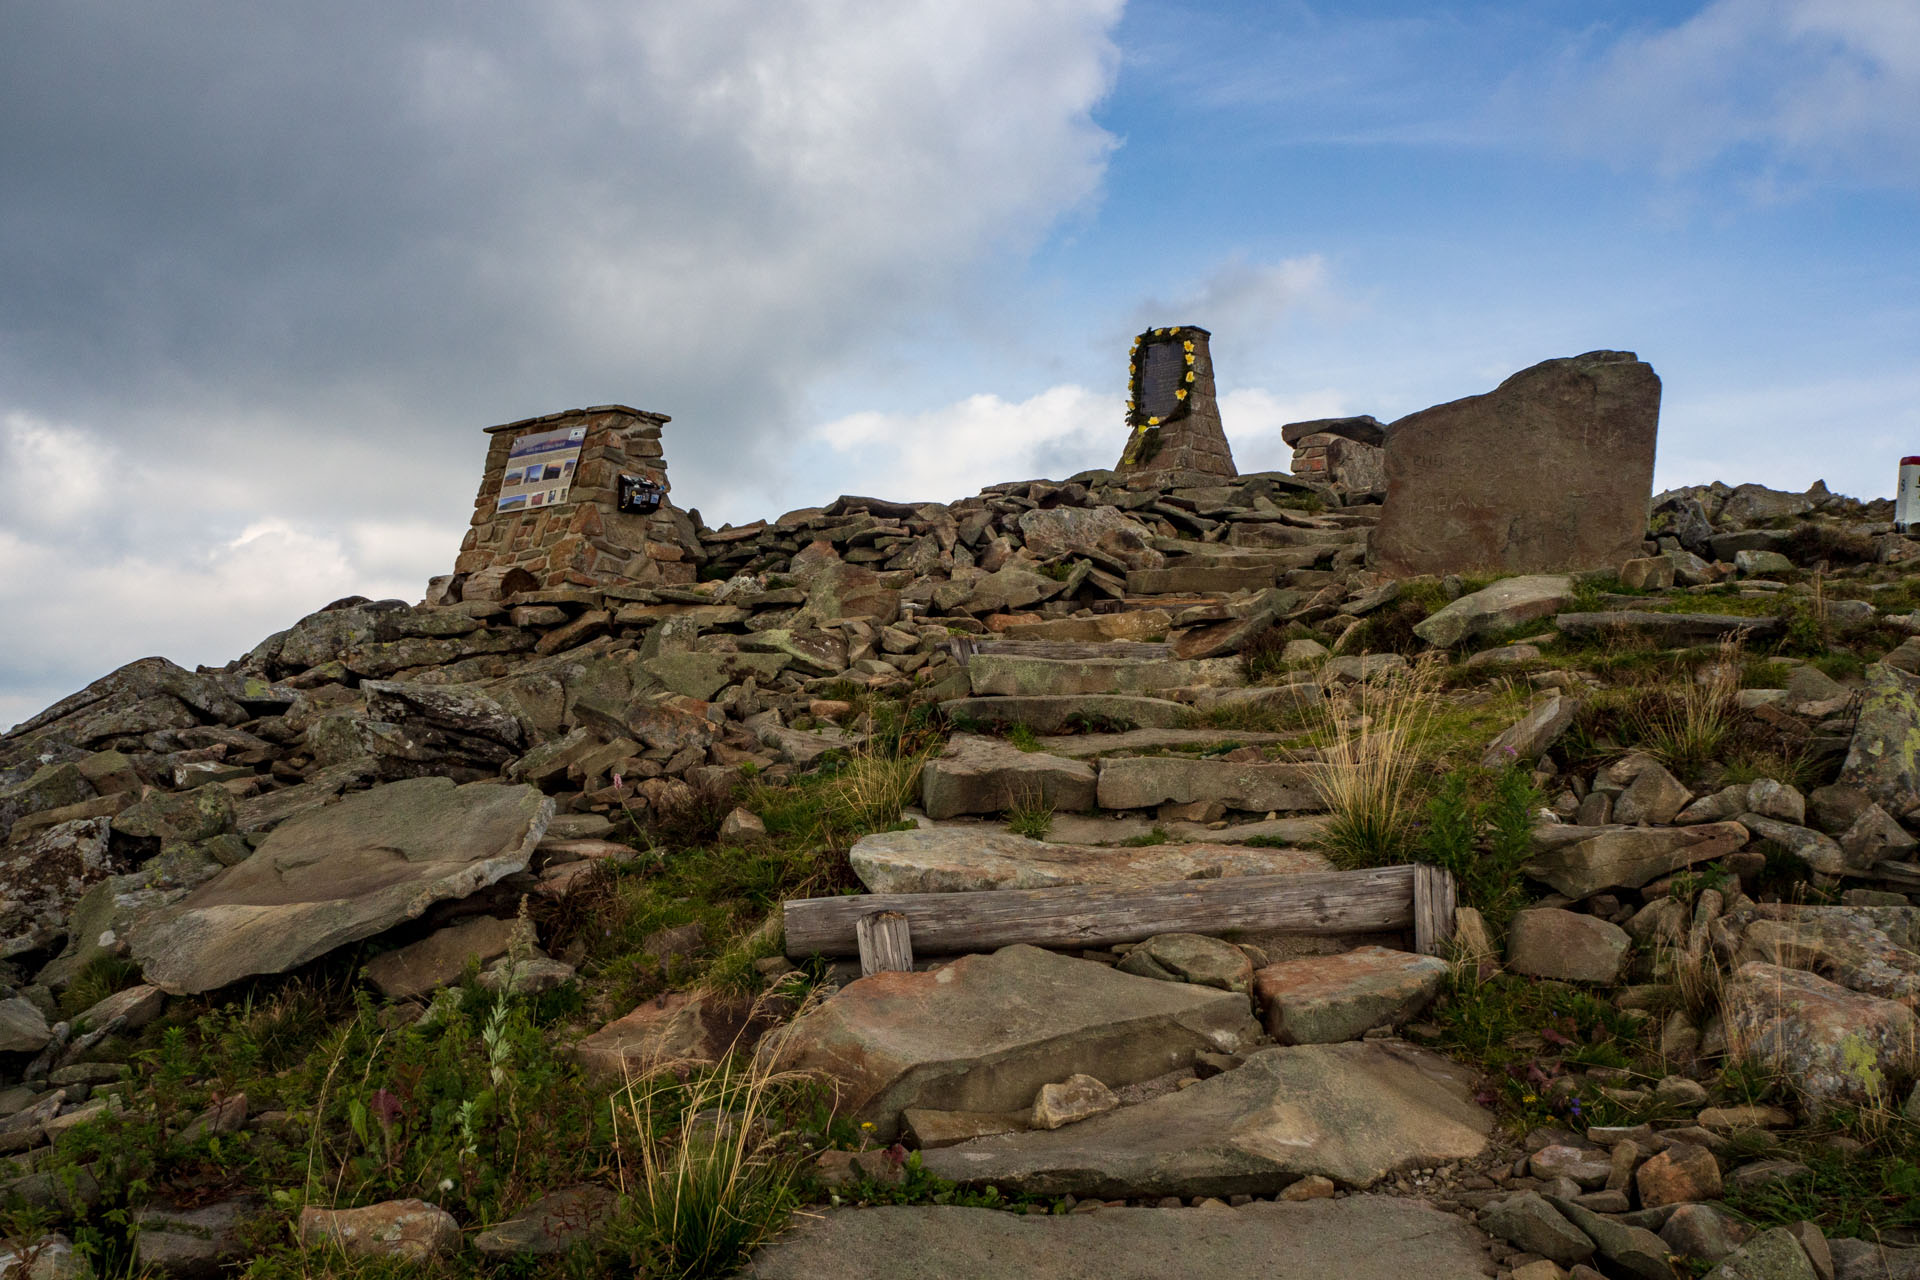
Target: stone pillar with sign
(549,511)
(1171,409)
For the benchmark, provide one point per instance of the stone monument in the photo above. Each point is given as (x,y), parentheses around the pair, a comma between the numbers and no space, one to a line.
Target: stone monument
(549,511)
(1171,407)
(1552,470)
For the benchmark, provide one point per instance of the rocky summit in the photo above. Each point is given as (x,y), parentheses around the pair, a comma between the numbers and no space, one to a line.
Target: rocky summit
(1443,854)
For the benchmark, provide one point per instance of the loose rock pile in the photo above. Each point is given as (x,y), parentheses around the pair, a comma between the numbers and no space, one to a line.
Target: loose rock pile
(411,773)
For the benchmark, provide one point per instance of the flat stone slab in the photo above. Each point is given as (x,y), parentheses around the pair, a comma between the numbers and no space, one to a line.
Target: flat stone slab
(339,874)
(1018,675)
(1507,603)
(1354,1112)
(958,859)
(1597,858)
(1357,1238)
(987,1031)
(1056,714)
(986,775)
(1141,782)
(1090,746)
(1326,999)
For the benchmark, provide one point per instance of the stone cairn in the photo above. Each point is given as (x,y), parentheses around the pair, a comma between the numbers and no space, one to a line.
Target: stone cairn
(584,540)
(1172,408)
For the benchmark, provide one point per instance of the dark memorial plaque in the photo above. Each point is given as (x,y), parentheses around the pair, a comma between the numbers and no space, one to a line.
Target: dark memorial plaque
(1163,372)
(1171,409)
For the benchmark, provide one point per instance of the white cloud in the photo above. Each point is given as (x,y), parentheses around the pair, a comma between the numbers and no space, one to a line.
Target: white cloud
(1829,87)
(49,474)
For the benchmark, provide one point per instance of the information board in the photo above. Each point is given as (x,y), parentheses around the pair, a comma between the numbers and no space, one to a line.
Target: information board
(1163,373)
(540,469)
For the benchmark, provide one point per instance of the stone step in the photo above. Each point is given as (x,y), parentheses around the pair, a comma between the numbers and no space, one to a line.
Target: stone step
(1144,782)
(1355,1112)
(1093,746)
(1075,650)
(1053,715)
(1356,1238)
(977,774)
(1022,675)
(960,859)
(987,1031)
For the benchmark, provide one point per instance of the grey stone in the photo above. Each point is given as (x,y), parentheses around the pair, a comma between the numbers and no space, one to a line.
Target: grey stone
(1191,957)
(1866,949)
(45,874)
(1652,798)
(1864,1260)
(1821,852)
(1628,857)
(1667,628)
(1019,675)
(23,1028)
(1357,1238)
(1141,782)
(1634,1250)
(340,874)
(1528,738)
(1326,999)
(1704,1232)
(1750,564)
(1104,531)
(984,1032)
(1552,470)
(1355,1112)
(552,1224)
(1771,1255)
(135,1007)
(1077,1098)
(986,775)
(1875,837)
(1830,1041)
(1777,800)
(1884,758)
(1532,1225)
(412,1230)
(198,1242)
(1548,942)
(438,959)
(958,859)
(1507,603)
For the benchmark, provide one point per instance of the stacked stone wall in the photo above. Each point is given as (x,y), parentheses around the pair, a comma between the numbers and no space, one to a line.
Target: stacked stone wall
(585,540)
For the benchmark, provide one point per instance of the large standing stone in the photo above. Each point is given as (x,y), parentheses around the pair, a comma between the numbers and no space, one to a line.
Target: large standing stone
(1357,1238)
(1354,1112)
(985,1032)
(960,859)
(1832,1043)
(1325,999)
(340,874)
(986,775)
(1551,470)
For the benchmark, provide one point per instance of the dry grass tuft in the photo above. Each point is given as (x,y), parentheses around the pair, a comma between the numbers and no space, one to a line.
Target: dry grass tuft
(1367,774)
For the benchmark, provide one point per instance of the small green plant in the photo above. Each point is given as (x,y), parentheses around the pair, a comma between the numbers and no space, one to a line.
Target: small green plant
(1484,844)
(1158,835)
(1030,816)
(708,1183)
(1366,773)
(1690,728)
(1021,735)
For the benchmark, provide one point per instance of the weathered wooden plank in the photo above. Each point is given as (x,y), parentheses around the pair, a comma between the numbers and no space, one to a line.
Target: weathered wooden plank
(1367,901)
(1433,903)
(886,943)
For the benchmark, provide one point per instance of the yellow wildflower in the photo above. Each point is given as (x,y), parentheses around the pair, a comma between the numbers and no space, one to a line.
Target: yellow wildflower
(1181,394)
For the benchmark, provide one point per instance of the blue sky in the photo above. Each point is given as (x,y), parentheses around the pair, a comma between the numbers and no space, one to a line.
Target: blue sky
(267,271)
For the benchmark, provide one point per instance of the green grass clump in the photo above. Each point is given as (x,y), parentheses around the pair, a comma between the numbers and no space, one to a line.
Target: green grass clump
(1031,816)
(1021,735)
(1483,843)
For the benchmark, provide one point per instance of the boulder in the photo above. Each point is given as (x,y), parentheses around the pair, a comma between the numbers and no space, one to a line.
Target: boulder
(23,1028)
(1634,1251)
(45,875)
(1628,857)
(1550,471)
(178,815)
(52,786)
(411,1230)
(987,775)
(1326,999)
(202,1241)
(958,859)
(339,874)
(1191,957)
(1680,1173)
(1548,942)
(1355,1112)
(986,1031)
(1532,1225)
(1653,798)
(1141,782)
(1076,1098)
(1771,1255)
(1834,1044)
(438,959)
(1821,852)
(1647,573)
(672,1032)
(1867,949)
(1104,531)
(1507,603)
(1884,757)
(551,1225)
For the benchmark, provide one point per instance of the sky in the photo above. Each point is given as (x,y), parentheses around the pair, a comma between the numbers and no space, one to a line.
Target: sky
(267,269)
